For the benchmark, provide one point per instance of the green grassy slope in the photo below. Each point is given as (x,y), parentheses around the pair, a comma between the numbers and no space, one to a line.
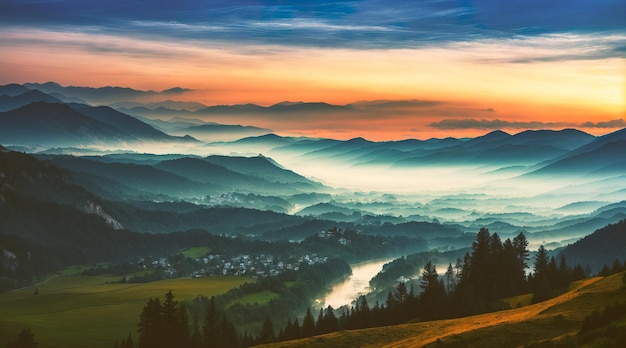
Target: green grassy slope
(82,311)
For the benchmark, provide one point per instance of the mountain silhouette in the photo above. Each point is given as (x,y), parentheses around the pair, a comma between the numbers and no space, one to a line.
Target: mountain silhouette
(13,89)
(101,95)
(604,156)
(55,124)
(30,96)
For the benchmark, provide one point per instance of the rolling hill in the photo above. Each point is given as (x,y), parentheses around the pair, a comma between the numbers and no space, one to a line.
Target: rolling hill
(600,248)
(39,119)
(8,102)
(55,124)
(548,320)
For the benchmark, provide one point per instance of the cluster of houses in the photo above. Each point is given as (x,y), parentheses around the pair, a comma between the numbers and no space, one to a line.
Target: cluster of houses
(252,265)
(260,265)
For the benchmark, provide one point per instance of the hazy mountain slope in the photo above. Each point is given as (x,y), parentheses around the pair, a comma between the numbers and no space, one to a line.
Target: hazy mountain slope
(499,148)
(164,218)
(283,107)
(599,248)
(203,171)
(124,122)
(13,102)
(140,177)
(220,132)
(603,156)
(13,89)
(320,209)
(101,95)
(39,179)
(55,124)
(553,318)
(567,139)
(37,198)
(261,167)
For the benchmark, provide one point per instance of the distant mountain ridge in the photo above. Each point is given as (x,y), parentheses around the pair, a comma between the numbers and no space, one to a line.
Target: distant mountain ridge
(101,95)
(147,110)
(34,118)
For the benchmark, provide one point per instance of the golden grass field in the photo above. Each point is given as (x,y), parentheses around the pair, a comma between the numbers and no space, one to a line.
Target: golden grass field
(85,311)
(551,319)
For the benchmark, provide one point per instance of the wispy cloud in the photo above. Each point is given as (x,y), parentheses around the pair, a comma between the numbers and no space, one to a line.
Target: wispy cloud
(468,123)
(357,24)
(618,123)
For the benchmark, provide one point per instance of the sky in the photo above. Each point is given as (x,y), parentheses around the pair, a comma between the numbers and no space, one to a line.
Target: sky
(413,69)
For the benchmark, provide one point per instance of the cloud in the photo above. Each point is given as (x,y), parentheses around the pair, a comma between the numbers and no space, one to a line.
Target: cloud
(356,24)
(394,104)
(618,123)
(468,123)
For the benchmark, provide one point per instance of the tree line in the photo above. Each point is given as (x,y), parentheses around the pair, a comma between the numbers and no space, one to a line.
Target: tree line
(493,270)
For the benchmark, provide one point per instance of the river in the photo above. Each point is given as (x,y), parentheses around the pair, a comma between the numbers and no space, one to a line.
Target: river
(356,284)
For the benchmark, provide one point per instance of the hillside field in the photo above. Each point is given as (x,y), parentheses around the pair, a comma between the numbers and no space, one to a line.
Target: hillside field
(550,319)
(87,311)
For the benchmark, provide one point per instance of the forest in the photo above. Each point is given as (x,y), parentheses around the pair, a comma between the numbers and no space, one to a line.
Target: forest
(491,271)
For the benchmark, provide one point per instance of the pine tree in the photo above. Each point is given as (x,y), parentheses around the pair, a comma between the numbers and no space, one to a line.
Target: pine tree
(211,328)
(520,245)
(228,337)
(433,293)
(401,292)
(450,279)
(267,331)
(541,270)
(480,268)
(150,325)
(308,324)
(165,325)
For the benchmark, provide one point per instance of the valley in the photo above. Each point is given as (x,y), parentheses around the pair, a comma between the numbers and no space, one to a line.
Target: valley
(140,199)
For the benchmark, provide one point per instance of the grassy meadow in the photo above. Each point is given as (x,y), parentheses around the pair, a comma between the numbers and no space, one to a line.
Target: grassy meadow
(90,311)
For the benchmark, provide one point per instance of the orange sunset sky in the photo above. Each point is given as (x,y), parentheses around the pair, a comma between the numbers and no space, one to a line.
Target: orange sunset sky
(463,70)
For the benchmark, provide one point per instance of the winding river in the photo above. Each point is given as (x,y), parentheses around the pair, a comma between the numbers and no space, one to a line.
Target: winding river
(357,284)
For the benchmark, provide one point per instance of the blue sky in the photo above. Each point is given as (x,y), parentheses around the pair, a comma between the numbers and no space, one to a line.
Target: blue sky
(477,64)
(324,23)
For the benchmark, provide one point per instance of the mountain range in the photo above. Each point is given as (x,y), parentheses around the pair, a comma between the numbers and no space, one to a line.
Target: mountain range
(570,166)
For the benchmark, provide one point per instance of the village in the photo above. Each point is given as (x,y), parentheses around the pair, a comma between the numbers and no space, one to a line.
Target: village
(260,265)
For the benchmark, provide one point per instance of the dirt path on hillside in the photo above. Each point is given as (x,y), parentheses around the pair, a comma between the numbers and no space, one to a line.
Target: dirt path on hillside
(428,332)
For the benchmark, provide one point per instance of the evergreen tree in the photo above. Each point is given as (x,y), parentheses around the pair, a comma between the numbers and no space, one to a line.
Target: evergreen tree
(176,323)
(328,322)
(228,336)
(541,281)
(617,266)
(150,325)
(520,245)
(401,292)
(433,293)
(480,268)
(267,331)
(320,319)
(565,274)
(165,325)
(392,302)
(211,328)
(450,279)
(308,324)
